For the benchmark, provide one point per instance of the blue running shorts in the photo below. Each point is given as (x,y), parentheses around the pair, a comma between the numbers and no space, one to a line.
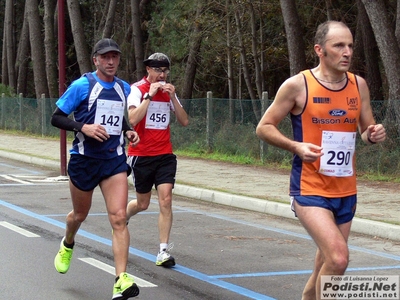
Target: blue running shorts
(343,208)
(86,172)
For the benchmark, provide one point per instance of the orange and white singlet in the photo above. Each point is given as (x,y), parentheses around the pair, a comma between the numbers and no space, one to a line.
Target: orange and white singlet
(329,119)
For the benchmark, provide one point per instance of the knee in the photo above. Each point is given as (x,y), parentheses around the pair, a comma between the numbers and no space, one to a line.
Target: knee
(77,217)
(142,206)
(339,262)
(166,203)
(118,219)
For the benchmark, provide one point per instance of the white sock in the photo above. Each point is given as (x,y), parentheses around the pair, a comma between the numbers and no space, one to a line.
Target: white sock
(163,246)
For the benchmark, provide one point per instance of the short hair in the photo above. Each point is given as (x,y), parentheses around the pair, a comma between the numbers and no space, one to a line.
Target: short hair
(323,29)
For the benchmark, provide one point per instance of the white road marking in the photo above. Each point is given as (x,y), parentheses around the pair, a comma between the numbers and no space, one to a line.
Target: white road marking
(15,179)
(18,229)
(109,269)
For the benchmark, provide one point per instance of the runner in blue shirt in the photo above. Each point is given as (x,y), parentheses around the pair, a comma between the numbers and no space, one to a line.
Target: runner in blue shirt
(97,158)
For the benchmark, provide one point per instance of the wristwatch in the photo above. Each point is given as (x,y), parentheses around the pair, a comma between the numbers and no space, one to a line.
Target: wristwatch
(147,96)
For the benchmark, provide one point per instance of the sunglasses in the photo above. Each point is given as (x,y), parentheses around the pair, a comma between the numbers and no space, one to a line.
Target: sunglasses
(159,70)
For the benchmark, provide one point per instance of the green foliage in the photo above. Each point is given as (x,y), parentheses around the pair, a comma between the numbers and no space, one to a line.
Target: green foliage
(168,26)
(193,137)
(237,140)
(171,27)
(6,90)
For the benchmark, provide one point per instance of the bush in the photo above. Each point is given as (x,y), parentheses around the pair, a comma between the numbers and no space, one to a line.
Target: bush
(6,90)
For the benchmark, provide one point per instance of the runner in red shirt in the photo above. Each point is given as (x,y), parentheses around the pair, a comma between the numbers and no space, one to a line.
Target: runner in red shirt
(153,163)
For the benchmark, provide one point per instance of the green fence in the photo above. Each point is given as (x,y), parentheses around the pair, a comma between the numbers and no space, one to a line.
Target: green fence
(225,126)
(29,115)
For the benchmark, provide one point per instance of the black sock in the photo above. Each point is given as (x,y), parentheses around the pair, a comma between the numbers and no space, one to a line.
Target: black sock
(70,246)
(116,279)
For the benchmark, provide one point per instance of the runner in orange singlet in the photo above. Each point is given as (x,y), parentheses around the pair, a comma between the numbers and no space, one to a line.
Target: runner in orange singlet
(327,105)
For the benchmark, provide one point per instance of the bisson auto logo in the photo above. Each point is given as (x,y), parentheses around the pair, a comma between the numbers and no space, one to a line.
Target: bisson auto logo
(337,112)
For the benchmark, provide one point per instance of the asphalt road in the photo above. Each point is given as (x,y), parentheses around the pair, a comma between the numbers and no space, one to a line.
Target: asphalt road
(221,252)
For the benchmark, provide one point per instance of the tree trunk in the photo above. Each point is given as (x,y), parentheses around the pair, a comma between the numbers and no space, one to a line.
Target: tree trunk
(371,52)
(262,49)
(229,62)
(23,58)
(397,30)
(4,69)
(50,47)
(390,54)
(194,49)
(109,26)
(143,4)
(254,47)
(328,4)
(294,34)
(246,72)
(36,41)
(81,47)
(10,43)
(101,10)
(137,40)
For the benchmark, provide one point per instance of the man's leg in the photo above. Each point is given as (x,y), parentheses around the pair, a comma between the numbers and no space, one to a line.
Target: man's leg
(142,172)
(81,202)
(165,218)
(115,192)
(137,205)
(331,240)
(164,258)
(309,292)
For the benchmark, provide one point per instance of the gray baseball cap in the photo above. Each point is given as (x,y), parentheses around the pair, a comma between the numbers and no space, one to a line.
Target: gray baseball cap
(105,45)
(157,60)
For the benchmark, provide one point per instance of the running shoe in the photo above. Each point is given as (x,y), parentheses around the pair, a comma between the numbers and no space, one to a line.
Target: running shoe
(164,259)
(63,258)
(125,288)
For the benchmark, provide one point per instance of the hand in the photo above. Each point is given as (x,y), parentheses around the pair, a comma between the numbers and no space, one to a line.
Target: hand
(162,86)
(133,137)
(376,133)
(155,87)
(95,131)
(308,152)
(168,88)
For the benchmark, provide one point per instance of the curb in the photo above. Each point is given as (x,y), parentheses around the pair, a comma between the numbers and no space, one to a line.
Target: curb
(363,226)
(30,159)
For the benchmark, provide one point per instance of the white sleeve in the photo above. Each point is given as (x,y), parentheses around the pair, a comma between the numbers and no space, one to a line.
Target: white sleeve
(134,97)
(172,104)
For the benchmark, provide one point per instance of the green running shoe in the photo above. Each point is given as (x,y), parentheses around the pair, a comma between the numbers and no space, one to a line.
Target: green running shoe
(125,288)
(63,258)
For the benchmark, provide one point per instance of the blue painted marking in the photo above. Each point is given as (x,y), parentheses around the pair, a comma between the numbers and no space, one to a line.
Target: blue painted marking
(299,235)
(299,272)
(263,274)
(105,214)
(181,269)
(214,279)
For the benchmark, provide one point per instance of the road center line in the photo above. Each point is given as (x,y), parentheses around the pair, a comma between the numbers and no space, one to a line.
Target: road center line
(111,270)
(18,229)
(11,178)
